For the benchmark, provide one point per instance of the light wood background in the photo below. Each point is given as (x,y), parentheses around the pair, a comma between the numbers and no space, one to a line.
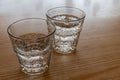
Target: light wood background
(98,51)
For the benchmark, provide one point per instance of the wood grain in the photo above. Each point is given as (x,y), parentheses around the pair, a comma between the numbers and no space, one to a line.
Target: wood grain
(98,50)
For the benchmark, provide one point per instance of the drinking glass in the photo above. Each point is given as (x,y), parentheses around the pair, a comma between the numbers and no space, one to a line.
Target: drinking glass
(68,22)
(32,43)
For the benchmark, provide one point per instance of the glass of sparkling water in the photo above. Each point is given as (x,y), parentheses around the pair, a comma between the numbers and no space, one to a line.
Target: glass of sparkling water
(68,22)
(32,43)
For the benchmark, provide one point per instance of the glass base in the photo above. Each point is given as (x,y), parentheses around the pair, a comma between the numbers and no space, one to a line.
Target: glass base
(64,52)
(34,71)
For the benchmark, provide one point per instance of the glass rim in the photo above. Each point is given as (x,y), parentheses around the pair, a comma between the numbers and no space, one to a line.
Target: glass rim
(47,13)
(17,37)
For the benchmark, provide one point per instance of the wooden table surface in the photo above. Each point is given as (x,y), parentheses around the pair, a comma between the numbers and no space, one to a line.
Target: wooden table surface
(98,50)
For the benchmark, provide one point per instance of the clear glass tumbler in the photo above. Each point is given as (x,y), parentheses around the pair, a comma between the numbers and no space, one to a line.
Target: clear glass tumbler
(68,22)
(32,43)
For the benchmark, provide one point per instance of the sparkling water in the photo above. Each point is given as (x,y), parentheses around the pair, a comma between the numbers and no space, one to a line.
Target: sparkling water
(33,54)
(68,28)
